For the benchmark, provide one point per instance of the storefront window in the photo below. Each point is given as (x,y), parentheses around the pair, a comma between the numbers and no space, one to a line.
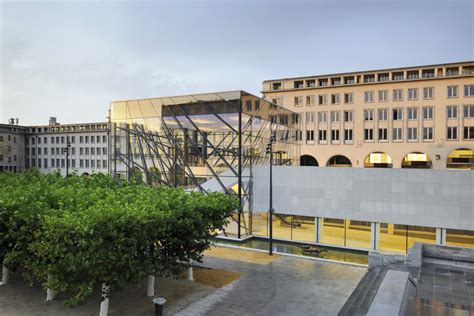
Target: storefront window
(282,226)
(460,238)
(332,232)
(421,234)
(392,237)
(358,234)
(303,228)
(260,223)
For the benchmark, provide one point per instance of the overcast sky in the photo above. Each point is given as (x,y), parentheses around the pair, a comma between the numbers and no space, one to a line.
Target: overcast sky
(70,59)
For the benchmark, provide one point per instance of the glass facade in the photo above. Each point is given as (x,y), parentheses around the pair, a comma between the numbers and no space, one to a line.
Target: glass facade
(205,142)
(460,238)
(399,238)
(346,233)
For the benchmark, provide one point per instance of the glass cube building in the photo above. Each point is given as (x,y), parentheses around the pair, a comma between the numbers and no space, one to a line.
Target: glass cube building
(203,142)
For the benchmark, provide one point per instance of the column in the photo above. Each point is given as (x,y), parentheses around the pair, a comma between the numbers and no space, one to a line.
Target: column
(318,229)
(439,236)
(374,235)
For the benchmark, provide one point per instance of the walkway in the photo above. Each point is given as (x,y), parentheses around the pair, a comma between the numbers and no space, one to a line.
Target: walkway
(285,286)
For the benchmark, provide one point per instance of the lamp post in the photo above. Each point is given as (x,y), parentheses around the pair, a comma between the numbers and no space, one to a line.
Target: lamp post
(67,150)
(270,209)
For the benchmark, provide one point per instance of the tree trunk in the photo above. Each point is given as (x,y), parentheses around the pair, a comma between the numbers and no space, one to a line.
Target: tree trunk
(4,275)
(50,293)
(150,289)
(190,270)
(104,305)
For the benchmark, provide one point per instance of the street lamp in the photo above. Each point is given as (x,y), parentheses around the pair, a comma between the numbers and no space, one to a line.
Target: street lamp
(67,150)
(269,151)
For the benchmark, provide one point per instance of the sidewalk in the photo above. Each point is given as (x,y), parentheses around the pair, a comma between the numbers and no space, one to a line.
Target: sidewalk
(281,286)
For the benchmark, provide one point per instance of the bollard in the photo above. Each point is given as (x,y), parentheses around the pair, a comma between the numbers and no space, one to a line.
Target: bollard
(159,302)
(190,271)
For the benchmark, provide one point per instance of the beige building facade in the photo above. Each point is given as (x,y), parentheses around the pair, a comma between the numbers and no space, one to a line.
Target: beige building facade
(418,117)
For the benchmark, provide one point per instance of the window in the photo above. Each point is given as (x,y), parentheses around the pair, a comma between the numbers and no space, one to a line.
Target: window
(368,115)
(39,151)
(468,132)
(412,75)
(276,101)
(104,150)
(52,140)
(348,97)
(348,116)
(397,94)
(52,163)
(428,113)
(92,151)
(45,163)
(452,132)
(257,107)
(309,136)
(428,73)
(368,134)
(348,135)
(92,139)
(248,106)
(298,101)
(469,90)
(45,150)
(73,150)
(81,139)
(322,117)
(63,163)
(87,139)
(397,76)
(39,139)
(322,136)
(309,117)
(73,163)
(104,163)
(81,151)
(299,84)
(383,134)
(428,93)
(323,82)
(334,116)
(412,113)
(427,133)
(469,111)
(369,96)
(369,78)
(322,99)
(98,164)
(348,80)
(397,134)
(397,114)
(92,163)
(311,83)
(87,151)
(87,163)
(383,95)
(383,77)
(413,94)
(412,133)
(335,98)
(383,114)
(81,163)
(310,100)
(334,135)
(104,138)
(276,86)
(452,111)
(452,91)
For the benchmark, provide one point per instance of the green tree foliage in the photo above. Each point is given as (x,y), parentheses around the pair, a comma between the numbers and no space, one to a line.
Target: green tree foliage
(85,231)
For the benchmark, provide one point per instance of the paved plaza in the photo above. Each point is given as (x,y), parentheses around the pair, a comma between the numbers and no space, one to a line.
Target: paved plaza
(284,286)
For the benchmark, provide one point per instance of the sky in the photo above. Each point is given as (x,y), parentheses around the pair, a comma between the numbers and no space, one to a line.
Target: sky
(70,59)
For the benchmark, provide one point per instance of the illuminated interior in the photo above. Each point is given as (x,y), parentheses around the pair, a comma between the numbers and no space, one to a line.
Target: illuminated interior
(417,160)
(378,160)
(460,238)
(461,159)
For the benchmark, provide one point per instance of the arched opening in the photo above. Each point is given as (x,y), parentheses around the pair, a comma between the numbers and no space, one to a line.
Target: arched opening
(417,160)
(339,161)
(378,160)
(462,158)
(308,160)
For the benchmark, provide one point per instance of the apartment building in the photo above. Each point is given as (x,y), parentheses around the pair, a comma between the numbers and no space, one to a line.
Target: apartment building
(411,117)
(12,146)
(81,148)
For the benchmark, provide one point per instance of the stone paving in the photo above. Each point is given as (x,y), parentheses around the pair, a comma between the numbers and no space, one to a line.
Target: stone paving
(287,286)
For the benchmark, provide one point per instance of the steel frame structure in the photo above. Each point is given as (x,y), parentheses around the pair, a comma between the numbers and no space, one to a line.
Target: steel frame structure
(204,142)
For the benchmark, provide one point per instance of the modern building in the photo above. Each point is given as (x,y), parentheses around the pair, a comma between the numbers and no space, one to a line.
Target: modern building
(12,146)
(411,117)
(81,148)
(205,142)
